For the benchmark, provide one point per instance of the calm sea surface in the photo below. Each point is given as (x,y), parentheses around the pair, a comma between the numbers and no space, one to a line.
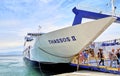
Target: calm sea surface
(15,66)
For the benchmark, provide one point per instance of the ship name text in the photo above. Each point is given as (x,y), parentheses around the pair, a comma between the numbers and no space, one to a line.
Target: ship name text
(62,40)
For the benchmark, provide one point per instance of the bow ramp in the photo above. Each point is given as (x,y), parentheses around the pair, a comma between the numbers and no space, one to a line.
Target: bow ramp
(66,42)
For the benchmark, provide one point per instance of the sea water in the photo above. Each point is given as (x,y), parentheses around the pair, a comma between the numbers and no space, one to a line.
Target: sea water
(15,66)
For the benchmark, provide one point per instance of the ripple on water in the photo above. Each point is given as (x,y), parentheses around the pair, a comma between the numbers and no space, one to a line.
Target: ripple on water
(14,66)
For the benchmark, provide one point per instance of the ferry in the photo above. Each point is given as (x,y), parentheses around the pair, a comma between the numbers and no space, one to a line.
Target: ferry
(53,52)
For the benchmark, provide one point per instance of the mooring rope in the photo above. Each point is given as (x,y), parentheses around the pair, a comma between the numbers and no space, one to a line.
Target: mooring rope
(40,69)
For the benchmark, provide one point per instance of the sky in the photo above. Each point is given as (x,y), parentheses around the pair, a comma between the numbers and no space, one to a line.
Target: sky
(18,17)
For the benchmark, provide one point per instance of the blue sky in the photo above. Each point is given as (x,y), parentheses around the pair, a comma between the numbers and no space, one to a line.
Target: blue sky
(17,17)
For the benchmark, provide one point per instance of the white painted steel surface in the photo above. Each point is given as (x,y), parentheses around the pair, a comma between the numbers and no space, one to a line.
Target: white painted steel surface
(63,52)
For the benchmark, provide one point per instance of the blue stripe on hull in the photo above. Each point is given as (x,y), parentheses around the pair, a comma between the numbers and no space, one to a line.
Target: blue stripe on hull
(94,68)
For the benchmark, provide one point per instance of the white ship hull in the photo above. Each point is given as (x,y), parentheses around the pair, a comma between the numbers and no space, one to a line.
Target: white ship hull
(61,45)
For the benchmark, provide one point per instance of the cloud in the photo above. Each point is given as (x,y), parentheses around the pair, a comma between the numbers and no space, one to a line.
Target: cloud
(15,28)
(10,44)
(49,28)
(10,22)
(20,9)
(46,1)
